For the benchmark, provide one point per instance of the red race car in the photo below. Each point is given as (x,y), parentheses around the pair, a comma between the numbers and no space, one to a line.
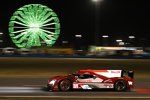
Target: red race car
(119,80)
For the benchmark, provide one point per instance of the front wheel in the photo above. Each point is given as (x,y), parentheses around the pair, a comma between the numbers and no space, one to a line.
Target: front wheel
(65,85)
(120,85)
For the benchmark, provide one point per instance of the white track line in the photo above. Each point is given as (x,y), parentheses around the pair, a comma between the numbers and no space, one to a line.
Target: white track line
(19,88)
(76,97)
(32,85)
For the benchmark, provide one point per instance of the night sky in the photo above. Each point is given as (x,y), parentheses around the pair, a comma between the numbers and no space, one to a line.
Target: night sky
(117,18)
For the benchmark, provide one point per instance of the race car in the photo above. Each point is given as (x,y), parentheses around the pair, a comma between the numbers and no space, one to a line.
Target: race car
(119,80)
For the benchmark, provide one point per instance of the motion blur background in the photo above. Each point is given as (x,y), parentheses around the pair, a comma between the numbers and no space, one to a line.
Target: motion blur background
(88,27)
(95,34)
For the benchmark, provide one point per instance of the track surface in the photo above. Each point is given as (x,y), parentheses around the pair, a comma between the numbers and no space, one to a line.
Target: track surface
(33,87)
(23,86)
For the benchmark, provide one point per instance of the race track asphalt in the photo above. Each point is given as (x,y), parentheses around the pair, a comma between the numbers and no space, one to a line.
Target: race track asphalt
(34,87)
(22,85)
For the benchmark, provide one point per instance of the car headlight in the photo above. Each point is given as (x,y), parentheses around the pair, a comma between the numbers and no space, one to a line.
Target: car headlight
(52,82)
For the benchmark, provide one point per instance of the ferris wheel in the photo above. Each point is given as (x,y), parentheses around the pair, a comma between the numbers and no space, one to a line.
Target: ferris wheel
(34,25)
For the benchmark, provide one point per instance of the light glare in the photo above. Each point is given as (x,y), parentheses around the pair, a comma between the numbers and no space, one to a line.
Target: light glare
(78,35)
(118,40)
(97,0)
(105,36)
(131,37)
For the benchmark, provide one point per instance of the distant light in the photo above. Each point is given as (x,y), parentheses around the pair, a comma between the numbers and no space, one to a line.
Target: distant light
(64,42)
(79,50)
(105,36)
(78,35)
(118,40)
(127,43)
(121,43)
(131,37)
(1,40)
(97,0)
(1,33)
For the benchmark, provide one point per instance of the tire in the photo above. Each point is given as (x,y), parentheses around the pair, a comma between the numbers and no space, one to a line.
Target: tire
(65,85)
(120,85)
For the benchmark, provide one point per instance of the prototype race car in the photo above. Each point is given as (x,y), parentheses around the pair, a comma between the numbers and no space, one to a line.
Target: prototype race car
(119,80)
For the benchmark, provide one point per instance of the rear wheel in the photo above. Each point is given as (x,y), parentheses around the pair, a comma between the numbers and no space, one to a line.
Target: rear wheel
(65,85)
(120,85)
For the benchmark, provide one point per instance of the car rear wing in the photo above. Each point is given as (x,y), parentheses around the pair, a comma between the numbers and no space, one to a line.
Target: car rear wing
(131,74)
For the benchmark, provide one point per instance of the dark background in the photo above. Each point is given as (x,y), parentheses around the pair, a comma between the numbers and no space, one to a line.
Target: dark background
(117,18)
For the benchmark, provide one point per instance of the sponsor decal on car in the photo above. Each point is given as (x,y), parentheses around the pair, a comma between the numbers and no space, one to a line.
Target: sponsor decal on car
(90,80)
(115,71)
(130,82)
(86,87)
(75,85)
(110,73)
(108,85)
(108,81)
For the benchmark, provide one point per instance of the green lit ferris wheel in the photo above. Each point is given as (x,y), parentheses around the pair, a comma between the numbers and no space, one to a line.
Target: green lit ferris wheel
(34,25)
